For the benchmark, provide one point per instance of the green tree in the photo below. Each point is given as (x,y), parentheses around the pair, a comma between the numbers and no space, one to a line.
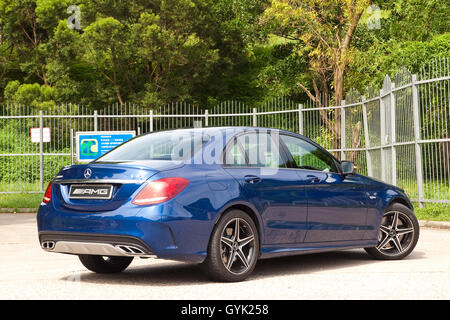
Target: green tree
(322,32)
(106,50)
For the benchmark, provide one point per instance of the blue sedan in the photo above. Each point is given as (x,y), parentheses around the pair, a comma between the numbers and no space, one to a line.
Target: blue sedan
(223,197)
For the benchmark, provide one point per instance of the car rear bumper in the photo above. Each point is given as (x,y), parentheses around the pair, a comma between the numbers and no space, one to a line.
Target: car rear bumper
(155,231)
(94,244)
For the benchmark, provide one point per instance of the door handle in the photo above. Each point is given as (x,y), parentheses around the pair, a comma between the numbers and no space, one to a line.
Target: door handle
(252,179)
(313,179)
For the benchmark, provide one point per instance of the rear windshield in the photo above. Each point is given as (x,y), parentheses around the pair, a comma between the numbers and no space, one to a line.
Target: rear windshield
(168,145)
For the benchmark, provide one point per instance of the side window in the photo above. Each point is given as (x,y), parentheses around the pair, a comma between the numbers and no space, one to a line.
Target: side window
(234,156)
(261,150)
(308,156)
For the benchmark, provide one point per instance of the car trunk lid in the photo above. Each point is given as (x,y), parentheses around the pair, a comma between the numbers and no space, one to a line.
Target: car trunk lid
(104,186)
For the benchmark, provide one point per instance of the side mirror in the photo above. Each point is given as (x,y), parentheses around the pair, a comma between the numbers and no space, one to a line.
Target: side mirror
(348,167)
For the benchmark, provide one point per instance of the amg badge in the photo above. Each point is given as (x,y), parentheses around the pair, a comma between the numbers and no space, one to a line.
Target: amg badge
(90,191)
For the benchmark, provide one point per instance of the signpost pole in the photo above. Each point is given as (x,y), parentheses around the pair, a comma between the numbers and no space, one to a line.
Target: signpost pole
(71,146)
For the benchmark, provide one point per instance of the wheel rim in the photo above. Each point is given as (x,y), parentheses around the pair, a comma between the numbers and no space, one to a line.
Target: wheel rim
(396,233)
(237,246)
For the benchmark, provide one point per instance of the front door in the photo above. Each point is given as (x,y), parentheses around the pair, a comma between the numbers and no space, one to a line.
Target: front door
(337,209)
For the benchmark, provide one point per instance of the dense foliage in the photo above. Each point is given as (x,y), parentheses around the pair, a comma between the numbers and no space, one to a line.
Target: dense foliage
(206,51)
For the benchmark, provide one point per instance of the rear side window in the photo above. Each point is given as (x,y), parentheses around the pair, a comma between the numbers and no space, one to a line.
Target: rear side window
(235,156)
(261,150)
(307,156)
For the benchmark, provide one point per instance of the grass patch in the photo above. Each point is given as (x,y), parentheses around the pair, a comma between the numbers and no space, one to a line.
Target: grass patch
(20,186)
(15,201)
(433,212)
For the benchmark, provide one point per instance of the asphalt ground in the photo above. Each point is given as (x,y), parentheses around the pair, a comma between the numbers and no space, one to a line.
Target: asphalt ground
(27,272)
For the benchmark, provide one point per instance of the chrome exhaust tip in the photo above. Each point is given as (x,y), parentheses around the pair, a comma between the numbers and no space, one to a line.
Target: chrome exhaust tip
(131,250)
(95,248)
(48,245)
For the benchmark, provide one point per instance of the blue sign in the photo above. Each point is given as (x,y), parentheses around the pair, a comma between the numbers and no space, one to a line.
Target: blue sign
(93,144)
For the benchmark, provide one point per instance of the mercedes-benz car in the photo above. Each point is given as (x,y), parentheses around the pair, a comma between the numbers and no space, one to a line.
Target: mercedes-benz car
(221,197)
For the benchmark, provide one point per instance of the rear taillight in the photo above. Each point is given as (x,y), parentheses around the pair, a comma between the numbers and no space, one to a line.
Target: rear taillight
(48,194)
(160,191)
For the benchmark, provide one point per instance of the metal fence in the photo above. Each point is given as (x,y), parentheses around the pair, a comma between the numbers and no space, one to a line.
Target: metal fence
(399,134)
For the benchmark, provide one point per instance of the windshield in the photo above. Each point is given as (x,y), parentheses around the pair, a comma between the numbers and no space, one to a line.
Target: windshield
(168,145)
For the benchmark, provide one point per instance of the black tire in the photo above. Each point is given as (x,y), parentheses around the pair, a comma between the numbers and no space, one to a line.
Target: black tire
(396,241)
(221,252)
(100,264)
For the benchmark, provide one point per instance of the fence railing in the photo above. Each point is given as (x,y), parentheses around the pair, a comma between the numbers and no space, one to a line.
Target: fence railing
(399,134)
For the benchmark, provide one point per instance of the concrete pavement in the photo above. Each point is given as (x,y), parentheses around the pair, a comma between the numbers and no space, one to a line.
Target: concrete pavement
(27,272)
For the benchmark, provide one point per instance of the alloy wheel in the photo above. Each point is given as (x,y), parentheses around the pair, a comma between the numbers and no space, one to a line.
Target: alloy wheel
(237,246)
(396,233)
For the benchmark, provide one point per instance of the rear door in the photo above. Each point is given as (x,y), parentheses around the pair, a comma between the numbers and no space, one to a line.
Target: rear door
(337,209)
(256,162)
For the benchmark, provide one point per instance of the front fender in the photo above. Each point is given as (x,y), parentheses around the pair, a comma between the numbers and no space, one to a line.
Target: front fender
(393,195)
(377,203)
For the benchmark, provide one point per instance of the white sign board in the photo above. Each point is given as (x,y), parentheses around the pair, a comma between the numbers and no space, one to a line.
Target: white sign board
(35,134)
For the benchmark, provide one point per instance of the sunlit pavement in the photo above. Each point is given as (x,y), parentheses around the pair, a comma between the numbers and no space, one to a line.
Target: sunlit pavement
(27,272)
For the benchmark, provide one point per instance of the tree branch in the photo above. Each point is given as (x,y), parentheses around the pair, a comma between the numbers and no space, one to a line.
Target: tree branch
(308,93)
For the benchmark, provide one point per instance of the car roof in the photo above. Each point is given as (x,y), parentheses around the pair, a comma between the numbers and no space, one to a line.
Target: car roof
(238,129)
(233,128)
